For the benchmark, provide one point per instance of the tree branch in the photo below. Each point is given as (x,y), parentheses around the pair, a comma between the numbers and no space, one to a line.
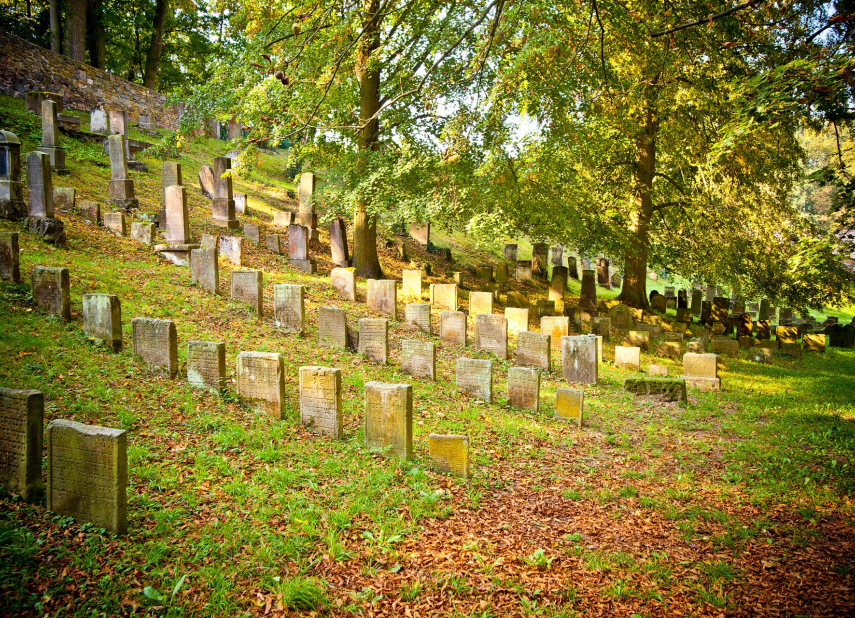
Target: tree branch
(672,181)
(700,22)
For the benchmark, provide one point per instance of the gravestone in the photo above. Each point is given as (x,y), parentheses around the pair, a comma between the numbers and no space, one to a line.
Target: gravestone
(848,336)
(517,319)
(98,122)
(684,316)
(697,300)
(480,302)
(659,389)
(389,418)
(601,327)
(332,327)
(791,349)
(668,349)
(305,189)
(10,257)
(484,273)
(283,218)
(621,318)
(444,295)
(12,204)
(231,248)
(247,286)
(274,243)
(523,271)
(418,358)
(556,256)
(252,233)
(761,355)
(638,338)
(102,319)
(51,291)
(156,343)
(222,197)
(205,269)
(658,303)
(588,293)
(115,223)
(720,310)
(420,232)
(744,326)
(298,244)
(558,283)
(475,378)
(763,329)
(657,370)
(701,371)
(786,313)
(787,334)
(544,308)
(491,334)
(556,327)
(87,474)
(813,342)
(836,336)
(628,357)
(344,281)
(524,388)
(682,299)
(452,328)
(289,308)
(411,286)
(209,241)
(170,176)
(518,300)
(616,281)
(206,365)
(709,293)
(501,273)
(579,359)
(374,339)
(121,187)
(568,404)
(764,309)
(39,186)
(382,297)
(320,400)
(706,312)
(746,343)
(261,380)
(603,276)
(64,198)
(534,350)
(118,122)
(240,203)
(338,243)
(418,316)
(573,267)
(449,454)
(50,138)
(21,428)
(511,253)
(539,257)
(725,347)
(143,233)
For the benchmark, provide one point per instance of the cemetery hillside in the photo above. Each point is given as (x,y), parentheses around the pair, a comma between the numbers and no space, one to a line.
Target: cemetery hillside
(427,309)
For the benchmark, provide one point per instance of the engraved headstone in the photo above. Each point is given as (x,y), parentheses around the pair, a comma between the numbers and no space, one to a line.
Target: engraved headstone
(601,327)
(556,327)
(223,201)
(418,358)
(98,122)
(156,342)
(604,278)
(283,218)
(382,297)
(261,380)
(449,454)
(418,316)
(21,427)
(274,243)
(332,327)
(701,371)
(725,347)
(628,357)
(170,175)
(320,400)
(205,269)
(39,186)
(452,327)
(480,302)
(115,222)
(50,137)
(621,318)
(10,257)
(558,283)
(121,187)
(252,233)
(102,319)
(568,404)
(659,389)
(579,359)
(298,242)
(389,418)
(556,256)
(511,253)
(420,232)
(289,308)
(247,286)
(523,270)
(143,232)
(501,273)
(534,350)
(374,339)
(240,203)
(518,300)
(51,291)
(539,258)
(813,342)
(491,334)
(344,281)
(475,378)
(206,365)
(524,388)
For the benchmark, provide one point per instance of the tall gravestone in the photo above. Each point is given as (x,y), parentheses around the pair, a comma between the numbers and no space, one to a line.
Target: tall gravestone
(121,187)
(223,201)
(556,256)
(170,176)
(588,293)
(40,207)
(156,342)
(261,380)
(480,302)
(298,249)
(573,267)
(697,300)
(87,474)
(604,278)
(50,138)
(10,257)
(289,308)
(338,243)
(12,205)
(320,400)
(177,216)
(411,284)
(206,365)
(558,283)
(306,215)
(102,319)
(389,418)
(539,257)
(579,359)
(517,319)
(21,427)
(52,291)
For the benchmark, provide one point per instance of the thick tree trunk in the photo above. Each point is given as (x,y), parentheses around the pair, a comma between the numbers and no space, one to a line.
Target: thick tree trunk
(634,289)
(365,258)
(152,60)
(55,27)
(74,45)
(97,35)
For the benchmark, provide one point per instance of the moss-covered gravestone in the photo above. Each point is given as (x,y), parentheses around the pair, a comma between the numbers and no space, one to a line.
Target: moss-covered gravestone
(21,427)
(389,418)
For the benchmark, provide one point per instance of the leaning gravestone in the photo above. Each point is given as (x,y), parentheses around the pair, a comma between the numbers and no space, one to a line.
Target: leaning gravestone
(389,418)
(418,316)
(452,327)
(524,388)
(10,257)
(261,380)
(374,339)
(332,327)
(21,427)
(205,269)
(382,297)
(344,281)
(156,342)
(51,291)
(579,359)
(320,400)
(533,350)
(102,319)
(206,181)
(449,454)
(87,474)
(206,365)
(491,334)
(418,358)
(475,378)
(568,404)
(288,308)
(247,286)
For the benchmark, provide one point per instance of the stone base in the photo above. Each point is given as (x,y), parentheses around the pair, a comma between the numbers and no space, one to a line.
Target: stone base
(704,384)
(308,266)
(126,205)
(56,154)
(232,224)
(13,209)
(50,229)
(177,254)
(122,189)
(307,219)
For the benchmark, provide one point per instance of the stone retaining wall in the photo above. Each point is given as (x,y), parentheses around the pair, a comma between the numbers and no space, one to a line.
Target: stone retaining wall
(25,67)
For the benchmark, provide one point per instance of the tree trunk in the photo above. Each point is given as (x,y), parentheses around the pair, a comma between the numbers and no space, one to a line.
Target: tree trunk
(365,258)
(74,45)
(161,8)
(634,289)
(97,35)
(55,38)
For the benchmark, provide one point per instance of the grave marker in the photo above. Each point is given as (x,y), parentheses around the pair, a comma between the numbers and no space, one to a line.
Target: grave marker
(389,418)
(627,357)
(534,350)
(638,338)
(121,187)
(511,252)
(143,232)
(10,257)
(621,318)
(452,327)
(813,342)
(659,389)
(382,297)
(518,300)
(21,428)
(223,200)
(205,269)
(701,371)
(523,271)
(115,222)
(206,365)
(320,400)
(444,295)
(517,319)
(480,302)
(156,343)
(579,359)
(90,211)
(289,308)
(332,327)
(344,281)
(524,388)
(338,243)
(252,233)
(601,327)
(170,175)
(449,454)
(51,291)
(102,319)
(261,380)
(412,284)
(588,293)
(231,248)
(556,327)
(725,347)
(568,404)
(274,243)
(539,257)
(374,339)
(491,334)
(418,358)
(418,317)
(475,378)
(247,286)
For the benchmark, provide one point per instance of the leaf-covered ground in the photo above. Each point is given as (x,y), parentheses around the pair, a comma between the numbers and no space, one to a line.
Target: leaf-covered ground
(739,504)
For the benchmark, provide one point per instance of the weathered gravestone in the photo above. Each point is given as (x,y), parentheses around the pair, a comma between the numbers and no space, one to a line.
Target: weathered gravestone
(320,400)
(836,336)
(332,327)
(517,319)
(523,270)
(411,286)
(744,326)
(638,338)
(289,308)
(579,359)
(588,293)
(484,273)
(524,388)
(475,377)
(51,291)
(720,310)
(813,342)
(222,196)
(374,339)
(50,137)
(701,371)
(511,253)
(283,218)
(480,302)
(156,343)
(418,316)
(298,249)
(763,329)
(21,427)
(627,357)
(518,300)
(232,249)
(558,283)
(539,258)
(170,176)
(98,122)
(261,380)
(658,302)
(210,241)
(534,350)
(725,347)
(389,418)
(668,349)
(502,273)
(452,327)
(121,187)
(568,404)
(143,232)
(344,281)
(791,349)
(115,223)
(491,334)
(706,312)
(418,358)
(659,389)
(205,269)
(252,233)
(274,243)
(684,316)
(657,370)
(12,204)
(787,334)
(240,203)
(697,299)
(420,232)
(206,365)
(65,199)
(556,327)
(764,309)
(102,319)
(601,327)
(556,256)
(247,287)
(40,208)
(449,454)
(382,297)
(10,257)
(604,278)
(444,295)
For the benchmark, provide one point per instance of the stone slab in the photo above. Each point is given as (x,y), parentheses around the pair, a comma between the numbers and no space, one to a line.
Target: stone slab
(320,400)
(156,343)
(261,380)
